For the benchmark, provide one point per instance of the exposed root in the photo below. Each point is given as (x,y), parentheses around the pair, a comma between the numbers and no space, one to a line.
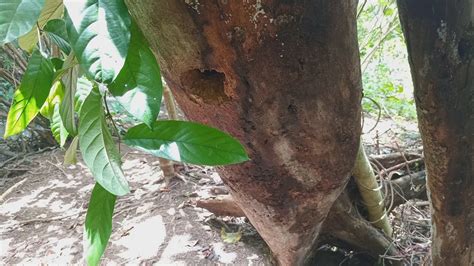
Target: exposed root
(168,171)
(407,187)
(345,225)
(391,159)
(221,206)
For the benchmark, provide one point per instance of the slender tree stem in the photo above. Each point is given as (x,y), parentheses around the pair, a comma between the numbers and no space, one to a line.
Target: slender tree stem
(370,191)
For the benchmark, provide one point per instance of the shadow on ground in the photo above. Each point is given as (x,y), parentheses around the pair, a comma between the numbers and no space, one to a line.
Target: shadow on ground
(41,221)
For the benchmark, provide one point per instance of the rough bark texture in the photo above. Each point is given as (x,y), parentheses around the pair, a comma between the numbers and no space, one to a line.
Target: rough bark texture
(284,78)
(440,41)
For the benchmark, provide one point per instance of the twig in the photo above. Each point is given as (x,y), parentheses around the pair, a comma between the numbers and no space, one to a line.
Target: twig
(398,166)
(22,155)
(379,114)
(109,116)
(45,220)
(361,9)
(2,164)
(7,152)
(12,188)
(8,77)
(368,56)
(14,54)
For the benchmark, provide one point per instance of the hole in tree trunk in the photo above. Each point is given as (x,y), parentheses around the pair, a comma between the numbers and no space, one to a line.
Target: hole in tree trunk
(206,86)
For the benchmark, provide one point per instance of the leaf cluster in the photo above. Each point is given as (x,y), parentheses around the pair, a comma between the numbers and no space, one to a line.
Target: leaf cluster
(80,52)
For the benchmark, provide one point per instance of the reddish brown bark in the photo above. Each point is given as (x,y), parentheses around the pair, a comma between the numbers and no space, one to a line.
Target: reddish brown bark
(284,78)
(440,41)
(222,206)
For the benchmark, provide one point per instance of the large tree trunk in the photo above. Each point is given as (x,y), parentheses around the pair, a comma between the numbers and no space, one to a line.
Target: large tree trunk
(284,78)
(440,41)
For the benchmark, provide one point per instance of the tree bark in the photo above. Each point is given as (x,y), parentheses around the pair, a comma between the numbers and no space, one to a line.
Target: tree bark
(440,41)
(284,78)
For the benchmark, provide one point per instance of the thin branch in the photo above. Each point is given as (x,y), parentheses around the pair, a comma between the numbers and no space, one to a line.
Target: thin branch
(16,56)
(398,166)
(109,116)
(361,9)
(378,116)
(369,55)
(8,77)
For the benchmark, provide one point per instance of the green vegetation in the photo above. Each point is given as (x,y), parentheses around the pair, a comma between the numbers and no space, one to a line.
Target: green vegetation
(81,52)
(384,60)
(79,56)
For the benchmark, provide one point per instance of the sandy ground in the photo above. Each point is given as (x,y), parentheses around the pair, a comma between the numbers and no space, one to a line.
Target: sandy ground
(41,221)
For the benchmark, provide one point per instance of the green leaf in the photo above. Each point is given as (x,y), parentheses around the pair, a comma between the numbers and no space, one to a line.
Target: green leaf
(55,96)
(97,146)
(30,95)
(230,237)
(388,11)
(17,17)
(83,89)
(138,86)
(60,133)
(52,9)
(70,156)
(56,30)
(57,63)
(187,142)
(66,109)
(98,225)
(99,33)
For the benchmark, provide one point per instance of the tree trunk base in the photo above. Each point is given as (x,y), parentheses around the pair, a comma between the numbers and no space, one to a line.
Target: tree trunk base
(344,227)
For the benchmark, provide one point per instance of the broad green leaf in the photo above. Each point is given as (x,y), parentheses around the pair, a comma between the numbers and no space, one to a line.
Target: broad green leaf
(187,142)
(69,63)
(52,9)
(97,146)
(57,63)
(60,133)
(83,89)
(66,109)
(55,96)
(56,31)
(17,17)
(70,156)
(98,225)
(99,34)
(138,86)
(30,95)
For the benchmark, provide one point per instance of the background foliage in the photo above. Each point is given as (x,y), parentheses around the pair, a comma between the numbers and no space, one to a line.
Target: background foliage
(385,71)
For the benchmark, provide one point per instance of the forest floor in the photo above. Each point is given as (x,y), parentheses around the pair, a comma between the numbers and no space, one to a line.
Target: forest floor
(42,220)
(43,206)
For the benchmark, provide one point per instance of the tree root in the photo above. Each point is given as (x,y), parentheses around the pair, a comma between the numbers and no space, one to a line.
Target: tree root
(391,159)
(222,206)
(407,187)
(344,226)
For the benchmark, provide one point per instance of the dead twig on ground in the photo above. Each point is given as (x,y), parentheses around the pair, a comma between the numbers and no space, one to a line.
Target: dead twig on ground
(23,155)
(398,166)
(11,189)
